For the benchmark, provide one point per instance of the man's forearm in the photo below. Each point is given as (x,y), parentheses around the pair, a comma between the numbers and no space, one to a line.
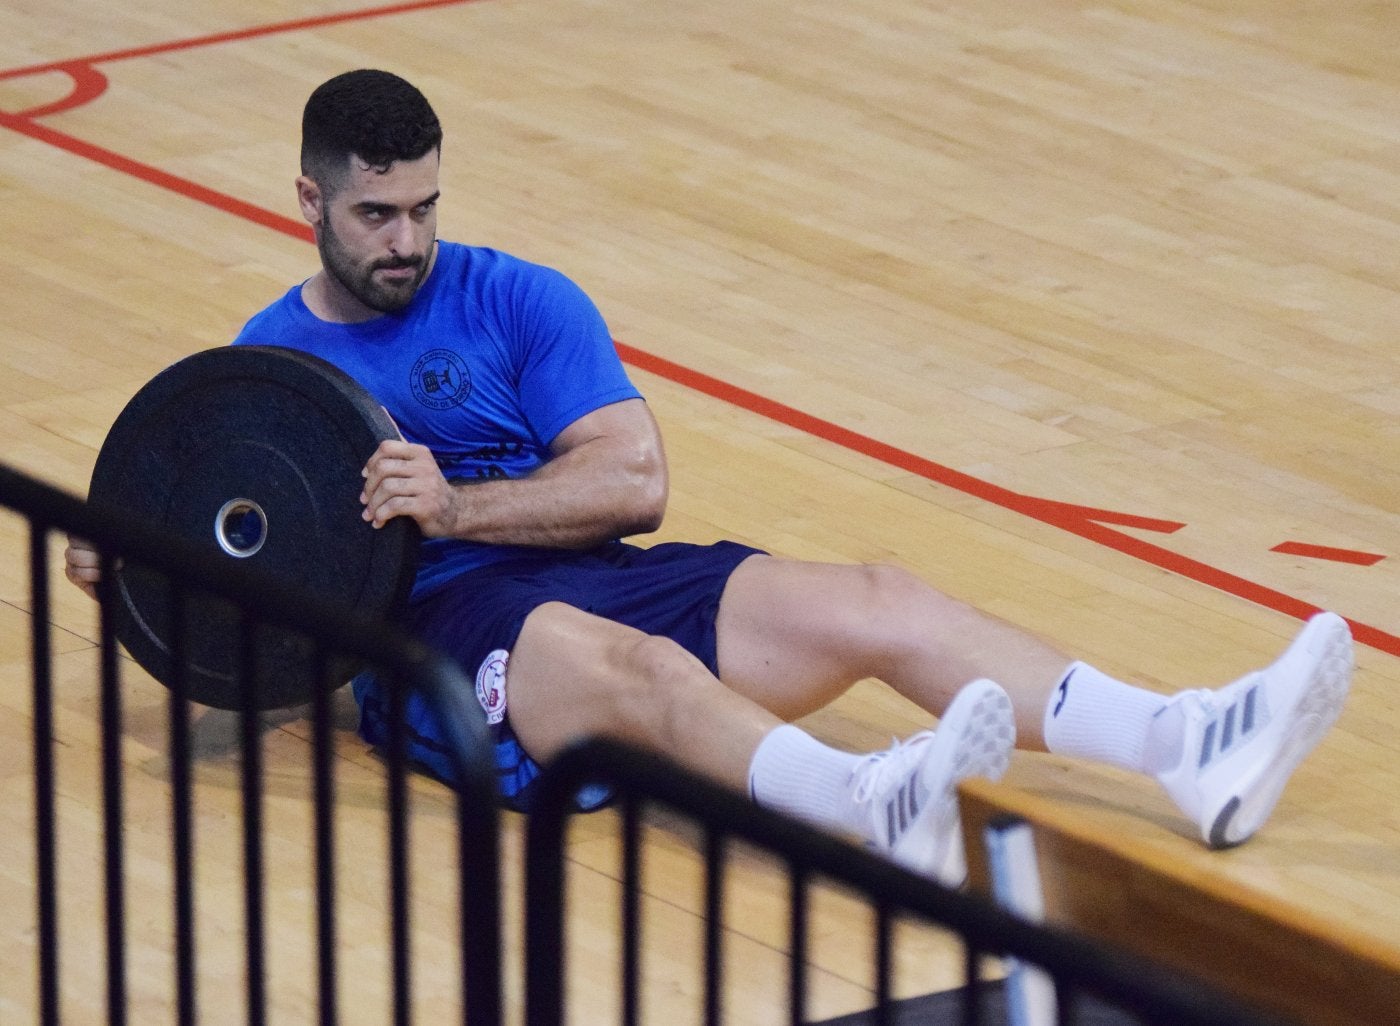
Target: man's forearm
(581,499)
(607,479)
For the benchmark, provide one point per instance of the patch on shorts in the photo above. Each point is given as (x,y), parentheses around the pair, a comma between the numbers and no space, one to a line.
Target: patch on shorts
(491,685)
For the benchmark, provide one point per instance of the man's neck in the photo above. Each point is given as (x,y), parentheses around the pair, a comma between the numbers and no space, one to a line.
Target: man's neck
(327,299)
(331,301)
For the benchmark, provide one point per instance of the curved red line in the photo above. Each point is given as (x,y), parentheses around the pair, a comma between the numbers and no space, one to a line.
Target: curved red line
(88,85)
(237,35)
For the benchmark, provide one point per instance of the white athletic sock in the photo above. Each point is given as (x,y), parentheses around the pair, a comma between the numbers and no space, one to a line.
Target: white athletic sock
(1093,716)
(793,772)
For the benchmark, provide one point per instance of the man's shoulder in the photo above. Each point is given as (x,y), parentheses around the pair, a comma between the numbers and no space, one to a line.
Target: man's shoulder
(494,279)
(278,317)
(484,263)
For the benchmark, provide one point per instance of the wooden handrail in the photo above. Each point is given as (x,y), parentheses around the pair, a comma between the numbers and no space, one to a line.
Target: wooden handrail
(1248,943)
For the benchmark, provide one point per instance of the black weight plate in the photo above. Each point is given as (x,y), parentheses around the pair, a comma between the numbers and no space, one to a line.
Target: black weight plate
(282,435)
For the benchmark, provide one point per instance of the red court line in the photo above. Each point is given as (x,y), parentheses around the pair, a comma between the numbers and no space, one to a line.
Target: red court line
(155,176)
(235,35)
(88,85)
(1050,511)
(1292,548)
(1085,522)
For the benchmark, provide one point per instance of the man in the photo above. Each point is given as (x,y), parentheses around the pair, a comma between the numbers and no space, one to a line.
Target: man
(527,454)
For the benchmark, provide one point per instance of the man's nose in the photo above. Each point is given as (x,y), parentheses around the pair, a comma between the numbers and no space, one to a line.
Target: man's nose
(401,239)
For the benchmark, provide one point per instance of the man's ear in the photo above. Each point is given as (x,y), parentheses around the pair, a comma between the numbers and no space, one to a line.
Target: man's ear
(310,198)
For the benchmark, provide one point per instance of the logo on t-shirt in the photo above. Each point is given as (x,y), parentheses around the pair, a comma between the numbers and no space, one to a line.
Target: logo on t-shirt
(440,379)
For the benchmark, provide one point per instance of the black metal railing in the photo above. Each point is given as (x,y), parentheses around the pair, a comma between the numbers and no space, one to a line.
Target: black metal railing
(1084,974)
(1082,971)
(334,635)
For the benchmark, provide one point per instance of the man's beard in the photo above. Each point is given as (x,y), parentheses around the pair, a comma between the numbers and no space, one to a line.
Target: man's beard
(386,297)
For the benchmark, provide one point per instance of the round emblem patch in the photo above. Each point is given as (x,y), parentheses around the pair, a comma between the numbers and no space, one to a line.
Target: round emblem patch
(491,685)
(440,379)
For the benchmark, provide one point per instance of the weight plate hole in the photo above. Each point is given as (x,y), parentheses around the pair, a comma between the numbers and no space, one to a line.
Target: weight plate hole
(241,527)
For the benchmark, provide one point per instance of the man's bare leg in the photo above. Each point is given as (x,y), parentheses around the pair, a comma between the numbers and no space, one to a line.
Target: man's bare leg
(572,674)
(793,636)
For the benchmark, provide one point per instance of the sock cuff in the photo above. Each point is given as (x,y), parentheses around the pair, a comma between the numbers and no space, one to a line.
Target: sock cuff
(1094,716)
(771,751)
(793,772)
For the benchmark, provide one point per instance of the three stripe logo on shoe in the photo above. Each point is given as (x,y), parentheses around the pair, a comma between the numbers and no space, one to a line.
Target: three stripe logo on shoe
(901,810)
(1238,723)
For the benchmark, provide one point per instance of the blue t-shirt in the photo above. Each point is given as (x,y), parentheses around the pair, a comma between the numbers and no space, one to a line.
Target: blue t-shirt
(489,362)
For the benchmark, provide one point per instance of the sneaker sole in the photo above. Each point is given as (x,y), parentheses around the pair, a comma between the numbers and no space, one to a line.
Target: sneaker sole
(1318,708)
(974,738)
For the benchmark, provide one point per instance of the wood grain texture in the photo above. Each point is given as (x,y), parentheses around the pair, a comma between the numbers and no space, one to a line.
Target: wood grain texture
(1135,257)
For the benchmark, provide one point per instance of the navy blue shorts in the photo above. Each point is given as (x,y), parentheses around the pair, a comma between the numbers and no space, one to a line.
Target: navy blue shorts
(672,590)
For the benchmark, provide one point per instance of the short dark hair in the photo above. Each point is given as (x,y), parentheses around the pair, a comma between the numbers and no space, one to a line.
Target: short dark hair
(373,115)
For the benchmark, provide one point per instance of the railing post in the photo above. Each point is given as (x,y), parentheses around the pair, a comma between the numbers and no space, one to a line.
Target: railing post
(45,838)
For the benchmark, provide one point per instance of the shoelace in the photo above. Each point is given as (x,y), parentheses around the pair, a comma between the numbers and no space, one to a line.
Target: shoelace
(874,771)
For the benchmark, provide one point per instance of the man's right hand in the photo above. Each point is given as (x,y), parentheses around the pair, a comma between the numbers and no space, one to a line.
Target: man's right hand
(83,565)
(403,480)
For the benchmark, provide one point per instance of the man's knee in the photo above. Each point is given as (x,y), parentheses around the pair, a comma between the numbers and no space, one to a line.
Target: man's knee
(648,660)
(601,654)
(653,681)
(890,598)
(888,584)
(574,674)
(896,616)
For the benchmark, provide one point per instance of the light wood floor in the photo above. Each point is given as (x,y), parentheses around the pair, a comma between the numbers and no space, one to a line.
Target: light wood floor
(1079,311)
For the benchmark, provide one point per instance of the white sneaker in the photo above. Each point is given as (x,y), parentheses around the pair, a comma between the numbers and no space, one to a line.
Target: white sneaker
(911,789)
(1243,741)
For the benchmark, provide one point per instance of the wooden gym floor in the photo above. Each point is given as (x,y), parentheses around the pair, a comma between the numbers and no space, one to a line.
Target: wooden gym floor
(1085,312)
